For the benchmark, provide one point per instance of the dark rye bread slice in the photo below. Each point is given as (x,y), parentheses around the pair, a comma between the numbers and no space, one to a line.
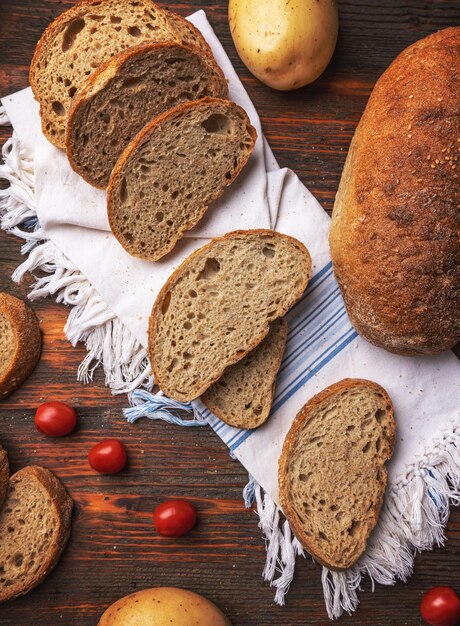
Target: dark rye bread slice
(82,38)
(20,343)
(4,475)
(125,93)
(219,304)
(243,396)
(187,34)
(332,474)
(172,170)
(34,529)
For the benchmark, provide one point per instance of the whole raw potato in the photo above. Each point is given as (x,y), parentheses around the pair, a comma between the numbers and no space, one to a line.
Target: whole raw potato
(163,606)
(285,43)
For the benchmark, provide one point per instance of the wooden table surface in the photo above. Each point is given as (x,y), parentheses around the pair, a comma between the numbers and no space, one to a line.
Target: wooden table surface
(114,549)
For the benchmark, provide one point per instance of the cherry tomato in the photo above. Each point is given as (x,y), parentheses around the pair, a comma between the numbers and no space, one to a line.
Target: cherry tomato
(55,419)
(108,456)
(440,606)
(174,518)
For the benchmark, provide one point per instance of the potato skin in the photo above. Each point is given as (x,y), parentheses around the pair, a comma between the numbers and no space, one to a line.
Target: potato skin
(285,43)
(163,606)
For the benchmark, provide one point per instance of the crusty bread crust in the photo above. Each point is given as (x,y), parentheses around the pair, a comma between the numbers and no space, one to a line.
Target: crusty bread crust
(175,276)
(27,339)
(137,141)
(394,237)
(4,475)
(179,22)
(109,70)
(63,505)
(242,422)
(305,414)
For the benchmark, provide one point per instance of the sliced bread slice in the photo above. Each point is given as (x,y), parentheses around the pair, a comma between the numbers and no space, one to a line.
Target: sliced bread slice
(20,343)
(125,93)
(332,474)
(172,170)
(4,475)
(187,34)
(219,304)
(243,396)
(82,38)
(34,529)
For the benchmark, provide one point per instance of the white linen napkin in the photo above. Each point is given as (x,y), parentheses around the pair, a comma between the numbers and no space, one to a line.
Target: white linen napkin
(322,346)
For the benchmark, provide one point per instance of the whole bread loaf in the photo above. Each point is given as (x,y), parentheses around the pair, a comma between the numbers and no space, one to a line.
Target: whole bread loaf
(332,474)
(82,38)
(219,304)
(172,170)
(34,529)
(396,221)
(20,343)
(243,395)
(125,93)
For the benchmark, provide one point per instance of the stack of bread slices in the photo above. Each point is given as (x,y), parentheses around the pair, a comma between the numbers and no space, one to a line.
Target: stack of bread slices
(134,95)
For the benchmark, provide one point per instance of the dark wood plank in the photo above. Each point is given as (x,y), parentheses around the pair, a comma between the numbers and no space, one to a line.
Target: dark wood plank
(114,549)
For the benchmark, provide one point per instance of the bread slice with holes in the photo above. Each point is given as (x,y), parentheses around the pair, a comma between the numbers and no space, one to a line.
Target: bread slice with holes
(332,474)
(243,396)
(128,91)
(172,170)
(20,343)
(82,38)
(219,304)
(4,475)
(34,529)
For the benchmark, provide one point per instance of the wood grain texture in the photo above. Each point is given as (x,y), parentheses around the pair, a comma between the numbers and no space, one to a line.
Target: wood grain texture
(114,549)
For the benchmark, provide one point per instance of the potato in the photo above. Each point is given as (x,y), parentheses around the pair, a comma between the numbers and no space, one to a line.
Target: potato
(285,43)
(163,606)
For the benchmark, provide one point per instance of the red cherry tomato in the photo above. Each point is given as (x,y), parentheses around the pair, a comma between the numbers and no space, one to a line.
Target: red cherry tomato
(174,518)
(440,606)
(108,456)
(55,419)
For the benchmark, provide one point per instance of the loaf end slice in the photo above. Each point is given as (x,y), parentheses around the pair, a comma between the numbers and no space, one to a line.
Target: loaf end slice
(20,343)
(219,304)
(243,396)
(78,41)
(125,93)
(34,528)
(4,475)
(332,474)
(172,170)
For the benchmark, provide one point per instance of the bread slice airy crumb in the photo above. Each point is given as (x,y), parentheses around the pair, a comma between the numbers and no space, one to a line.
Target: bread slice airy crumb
(219,304)
(125,93)
(20,343)
(34,529)
(172,170)
(82,38)
(332,473)
(243,396)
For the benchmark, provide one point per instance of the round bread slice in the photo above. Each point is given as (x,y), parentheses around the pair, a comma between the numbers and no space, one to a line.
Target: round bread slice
(219,304)
(332,474)
(82,38)
(4,475)
(243,396)
(127,91)
(20,343)
(34,529)
(172,170)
